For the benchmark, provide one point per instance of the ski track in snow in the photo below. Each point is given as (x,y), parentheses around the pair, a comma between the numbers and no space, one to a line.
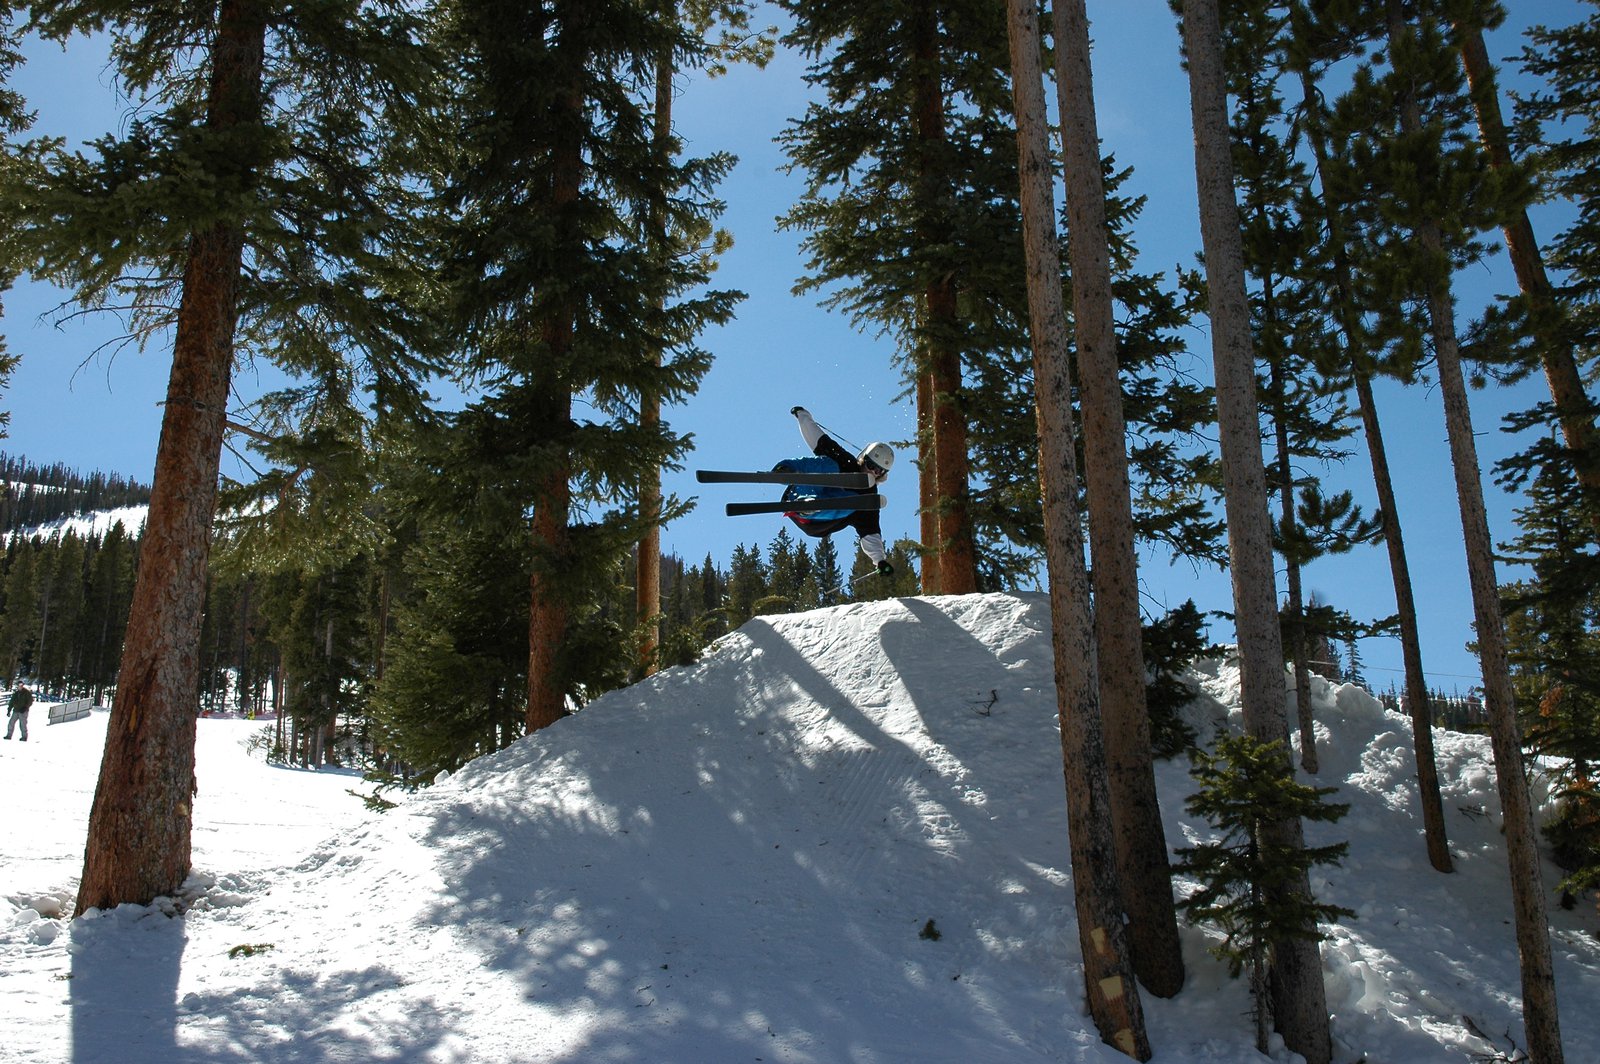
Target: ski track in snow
(734,861)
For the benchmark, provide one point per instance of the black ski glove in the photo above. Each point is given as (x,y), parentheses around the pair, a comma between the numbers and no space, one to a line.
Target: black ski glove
(885,569)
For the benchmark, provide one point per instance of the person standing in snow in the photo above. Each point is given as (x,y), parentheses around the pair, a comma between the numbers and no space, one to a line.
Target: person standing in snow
(874,461)
(17,709)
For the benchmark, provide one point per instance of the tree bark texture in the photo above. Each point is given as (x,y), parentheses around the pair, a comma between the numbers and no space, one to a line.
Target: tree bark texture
(647,576)
(138,845)
(1298,644)
(958,560)
(927,485)
(1113,995)
(1539,1013)
(1140,839)
(1299,998)
(548,613)
(1415,685)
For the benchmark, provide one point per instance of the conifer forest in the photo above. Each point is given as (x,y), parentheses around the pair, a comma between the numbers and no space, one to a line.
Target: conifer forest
(383,200)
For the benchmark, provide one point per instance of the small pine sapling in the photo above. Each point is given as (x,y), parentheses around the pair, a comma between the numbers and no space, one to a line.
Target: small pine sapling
(1245,787)
(1171,643)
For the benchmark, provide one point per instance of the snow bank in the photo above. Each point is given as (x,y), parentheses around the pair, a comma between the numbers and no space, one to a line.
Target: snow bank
(749,858)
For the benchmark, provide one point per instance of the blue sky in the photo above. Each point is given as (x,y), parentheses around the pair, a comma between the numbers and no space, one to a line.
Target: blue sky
(70,401)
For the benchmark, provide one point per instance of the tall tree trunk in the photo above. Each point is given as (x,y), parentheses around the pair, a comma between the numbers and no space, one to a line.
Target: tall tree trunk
(1298,651)
(958,561)
(1140,839)
(1555,351)
(647,580)
(1112,993)
(927,486)
(1539,1014)
(548,613)
(1415,682)
(139,825)
(1299,998)
(1416,686)
(244,648)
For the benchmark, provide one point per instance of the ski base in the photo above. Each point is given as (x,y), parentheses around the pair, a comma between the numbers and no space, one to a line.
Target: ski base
(872,501)
(778,476)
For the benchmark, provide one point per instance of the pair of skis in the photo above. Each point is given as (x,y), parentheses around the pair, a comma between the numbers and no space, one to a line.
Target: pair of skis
(868,500)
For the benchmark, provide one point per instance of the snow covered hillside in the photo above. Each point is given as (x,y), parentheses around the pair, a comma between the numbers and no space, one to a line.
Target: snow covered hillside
(841,837)
(97,523)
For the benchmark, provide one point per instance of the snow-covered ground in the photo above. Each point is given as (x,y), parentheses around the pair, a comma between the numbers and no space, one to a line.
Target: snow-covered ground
(735,861)
(97,523)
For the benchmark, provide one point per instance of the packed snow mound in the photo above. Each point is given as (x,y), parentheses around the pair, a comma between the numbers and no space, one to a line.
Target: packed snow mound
(841,836)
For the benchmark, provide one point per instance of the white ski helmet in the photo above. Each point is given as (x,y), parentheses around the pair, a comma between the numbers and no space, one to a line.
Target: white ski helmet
(877,458)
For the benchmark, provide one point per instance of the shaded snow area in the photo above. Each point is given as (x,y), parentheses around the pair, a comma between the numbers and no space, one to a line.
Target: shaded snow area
(739,861)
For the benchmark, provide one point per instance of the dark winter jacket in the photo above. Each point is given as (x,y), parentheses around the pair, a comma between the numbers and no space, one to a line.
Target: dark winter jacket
(21,699)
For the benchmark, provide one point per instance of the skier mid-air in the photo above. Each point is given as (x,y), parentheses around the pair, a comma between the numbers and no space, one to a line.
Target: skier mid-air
(825,493)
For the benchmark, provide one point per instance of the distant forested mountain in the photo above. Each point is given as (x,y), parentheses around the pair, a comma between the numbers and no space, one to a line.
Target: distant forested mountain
(32,494)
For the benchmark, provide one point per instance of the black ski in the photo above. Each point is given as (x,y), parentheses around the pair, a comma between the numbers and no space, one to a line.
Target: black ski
(778,476)
(870,501)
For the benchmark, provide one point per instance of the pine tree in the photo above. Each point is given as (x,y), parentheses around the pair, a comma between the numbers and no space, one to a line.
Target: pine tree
(737,43)
(1308,418)
(1299,996)
(747,584)
(1171,643)
(786,573)
(556,290)
(866,585)
(1339,178)
(1553,644)
(110,593)
(909,218)
(1546,311)
(61,603)
(454,683)
(19,623)
(1252,886)
(1136,814)
(1429,170)
(829,577)
(1112,992)
(277,182)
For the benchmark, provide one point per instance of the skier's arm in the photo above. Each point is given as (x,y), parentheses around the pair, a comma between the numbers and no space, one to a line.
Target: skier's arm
(809,429)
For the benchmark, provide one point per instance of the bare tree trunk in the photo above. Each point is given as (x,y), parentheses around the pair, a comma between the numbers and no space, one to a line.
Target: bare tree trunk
(1299,998)
(139,826)
(1555,352)
(1298,651)
(277,706)
(244,650)
(1540,1017)
(1415,684)
(380,638)
(548,613)
(928,486)
(1140,839)
(647,579)
(1113,995)
(958,560)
